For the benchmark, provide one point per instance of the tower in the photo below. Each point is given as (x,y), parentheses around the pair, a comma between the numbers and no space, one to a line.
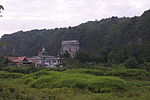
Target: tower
(70,46)
(43,53)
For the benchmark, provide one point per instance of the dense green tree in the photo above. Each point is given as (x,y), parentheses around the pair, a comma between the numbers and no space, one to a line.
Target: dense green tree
(1,8)
(131,63)
(83,57)
(146,66)
(3,62)
(125,37)
(66,55)
(113,58)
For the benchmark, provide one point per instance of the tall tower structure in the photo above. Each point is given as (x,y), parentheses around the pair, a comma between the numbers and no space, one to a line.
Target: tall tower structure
(70,46)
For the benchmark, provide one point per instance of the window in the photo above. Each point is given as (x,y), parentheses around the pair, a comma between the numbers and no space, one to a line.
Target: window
(70,49)
(53,61)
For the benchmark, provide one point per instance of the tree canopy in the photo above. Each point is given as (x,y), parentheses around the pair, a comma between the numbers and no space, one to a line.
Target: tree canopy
(112,39)
(1,8)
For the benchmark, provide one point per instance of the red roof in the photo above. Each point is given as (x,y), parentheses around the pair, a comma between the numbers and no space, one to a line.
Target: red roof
(17,59)
(12,58)
(30,59)
(22,59)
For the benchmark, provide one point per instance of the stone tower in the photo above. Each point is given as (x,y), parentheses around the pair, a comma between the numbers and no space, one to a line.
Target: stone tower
(70,46)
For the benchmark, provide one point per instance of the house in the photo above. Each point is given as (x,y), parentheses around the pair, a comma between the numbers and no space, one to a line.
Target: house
(43,59)
(18,61)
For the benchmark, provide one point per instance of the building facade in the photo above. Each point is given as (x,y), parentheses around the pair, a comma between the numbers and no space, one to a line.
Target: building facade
(70,46)
(43,59)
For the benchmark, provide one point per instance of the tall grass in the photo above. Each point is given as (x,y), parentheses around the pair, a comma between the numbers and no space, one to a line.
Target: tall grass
(5,75)
(52,85)
(128,73)
(51,79)
(85,71)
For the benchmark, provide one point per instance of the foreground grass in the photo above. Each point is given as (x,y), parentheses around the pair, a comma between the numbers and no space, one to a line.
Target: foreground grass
(52,79)
(51,85)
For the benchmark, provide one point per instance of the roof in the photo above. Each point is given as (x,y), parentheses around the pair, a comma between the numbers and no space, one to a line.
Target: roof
(17,59)
(65,42)
(30,59)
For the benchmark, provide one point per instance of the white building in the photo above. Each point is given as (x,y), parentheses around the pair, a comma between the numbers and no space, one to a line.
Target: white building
(43,59)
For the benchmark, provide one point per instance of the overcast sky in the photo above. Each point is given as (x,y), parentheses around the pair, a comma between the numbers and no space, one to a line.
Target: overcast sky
(39,14)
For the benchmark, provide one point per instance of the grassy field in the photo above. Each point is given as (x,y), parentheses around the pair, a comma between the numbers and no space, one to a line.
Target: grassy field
(76,84)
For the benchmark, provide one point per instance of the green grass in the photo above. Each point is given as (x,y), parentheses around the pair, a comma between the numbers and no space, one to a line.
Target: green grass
(9,75)
(128,73)
(75,84)
(85,71)
(52,79)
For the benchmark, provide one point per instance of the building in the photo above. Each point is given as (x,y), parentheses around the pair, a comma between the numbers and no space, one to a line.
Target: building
(43,59)
(70,46)
(18,61)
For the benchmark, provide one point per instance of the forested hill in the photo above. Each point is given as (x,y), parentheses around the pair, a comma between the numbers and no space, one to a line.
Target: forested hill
(122,36)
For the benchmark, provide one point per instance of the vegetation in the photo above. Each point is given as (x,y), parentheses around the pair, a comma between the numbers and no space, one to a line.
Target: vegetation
(85,71)
(4,75)
(131,63)
(24,69)
(112,40)
(1,8)
(128,73)
(75,84)
(75,81)
(113,62)
(3,62)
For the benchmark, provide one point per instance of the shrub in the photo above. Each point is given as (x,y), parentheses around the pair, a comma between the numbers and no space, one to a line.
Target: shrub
(85,71)
(37,74)
(78,81)
(128,73)
(10,75)
(131,63)
(146,66)
(25,69)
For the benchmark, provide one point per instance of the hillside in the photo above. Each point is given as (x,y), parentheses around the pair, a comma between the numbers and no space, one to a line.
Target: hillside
(123,36)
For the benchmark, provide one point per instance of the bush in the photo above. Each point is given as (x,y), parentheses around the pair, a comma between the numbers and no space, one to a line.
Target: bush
(13,90)
(85,71)
(77,81)
(37,74)
(131,63)
(146,66)
(25,69)
(128,73)
(10,75)
(3,62)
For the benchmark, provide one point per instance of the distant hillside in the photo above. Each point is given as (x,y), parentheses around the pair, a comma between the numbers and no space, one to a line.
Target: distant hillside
(123,36)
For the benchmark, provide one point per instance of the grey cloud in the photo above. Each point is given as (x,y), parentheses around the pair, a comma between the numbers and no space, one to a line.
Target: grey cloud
(31,14)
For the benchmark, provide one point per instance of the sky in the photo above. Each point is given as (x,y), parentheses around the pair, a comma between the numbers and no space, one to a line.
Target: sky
(48,14)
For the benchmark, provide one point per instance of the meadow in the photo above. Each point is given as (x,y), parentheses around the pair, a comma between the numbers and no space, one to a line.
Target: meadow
(75,84)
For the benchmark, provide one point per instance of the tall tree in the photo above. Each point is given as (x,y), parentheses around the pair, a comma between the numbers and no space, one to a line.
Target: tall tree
(1,8)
